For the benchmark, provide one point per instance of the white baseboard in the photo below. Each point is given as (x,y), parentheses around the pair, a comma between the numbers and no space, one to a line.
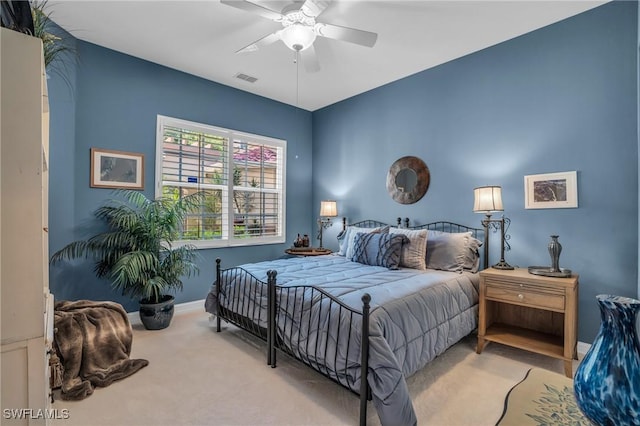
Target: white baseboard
(134,317)
(583,348)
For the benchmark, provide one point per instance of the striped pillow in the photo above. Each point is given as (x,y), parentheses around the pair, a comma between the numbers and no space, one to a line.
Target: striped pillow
(378,249)
(414,253)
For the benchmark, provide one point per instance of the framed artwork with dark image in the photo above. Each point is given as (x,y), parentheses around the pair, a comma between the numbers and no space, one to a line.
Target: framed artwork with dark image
(551,191)
(116,169)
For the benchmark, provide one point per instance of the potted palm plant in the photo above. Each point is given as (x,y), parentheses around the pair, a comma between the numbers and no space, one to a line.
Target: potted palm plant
(136,252)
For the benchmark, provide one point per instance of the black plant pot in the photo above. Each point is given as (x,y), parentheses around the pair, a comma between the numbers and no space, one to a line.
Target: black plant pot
(156,316)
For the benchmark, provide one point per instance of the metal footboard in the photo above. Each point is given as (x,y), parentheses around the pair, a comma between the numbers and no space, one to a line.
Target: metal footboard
(242,312)
(304,322)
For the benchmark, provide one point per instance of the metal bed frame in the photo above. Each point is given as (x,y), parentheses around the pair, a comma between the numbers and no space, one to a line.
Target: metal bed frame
(250,319)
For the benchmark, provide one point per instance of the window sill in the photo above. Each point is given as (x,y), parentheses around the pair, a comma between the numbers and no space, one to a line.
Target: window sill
(245,242)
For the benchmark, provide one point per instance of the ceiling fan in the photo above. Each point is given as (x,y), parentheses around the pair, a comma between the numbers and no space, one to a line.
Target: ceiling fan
(300,29)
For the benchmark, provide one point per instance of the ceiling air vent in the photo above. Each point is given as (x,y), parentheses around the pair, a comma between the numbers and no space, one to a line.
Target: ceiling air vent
(246,77)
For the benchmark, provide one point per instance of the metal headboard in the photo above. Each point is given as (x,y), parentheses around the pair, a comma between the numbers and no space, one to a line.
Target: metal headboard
(368,223)
(442,226)
(451,227)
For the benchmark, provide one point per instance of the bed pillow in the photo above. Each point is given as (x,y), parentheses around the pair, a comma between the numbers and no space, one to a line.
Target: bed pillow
(378,249)
(414,253)
(345,239)
(472,255)
(452,251)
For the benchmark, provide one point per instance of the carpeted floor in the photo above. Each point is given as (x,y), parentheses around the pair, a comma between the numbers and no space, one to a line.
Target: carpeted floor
(199,377)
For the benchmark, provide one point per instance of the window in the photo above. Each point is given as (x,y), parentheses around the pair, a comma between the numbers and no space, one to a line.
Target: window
(241,174)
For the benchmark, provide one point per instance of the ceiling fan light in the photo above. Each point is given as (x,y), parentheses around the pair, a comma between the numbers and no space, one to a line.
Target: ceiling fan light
(297,36)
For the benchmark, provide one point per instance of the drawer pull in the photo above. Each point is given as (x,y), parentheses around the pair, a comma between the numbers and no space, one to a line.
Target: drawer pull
(521,296)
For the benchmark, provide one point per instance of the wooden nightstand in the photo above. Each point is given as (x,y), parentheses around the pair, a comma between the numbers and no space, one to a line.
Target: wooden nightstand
(531,312)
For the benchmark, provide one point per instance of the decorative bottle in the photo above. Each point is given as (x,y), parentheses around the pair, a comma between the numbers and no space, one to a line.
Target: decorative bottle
(305,241)
(555,248)
(607,381)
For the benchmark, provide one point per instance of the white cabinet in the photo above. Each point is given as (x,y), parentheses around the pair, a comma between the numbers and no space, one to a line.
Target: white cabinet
(25,300)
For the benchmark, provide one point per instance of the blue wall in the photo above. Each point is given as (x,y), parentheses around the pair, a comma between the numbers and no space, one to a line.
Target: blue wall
(558,99)
(112,103)
(561,98)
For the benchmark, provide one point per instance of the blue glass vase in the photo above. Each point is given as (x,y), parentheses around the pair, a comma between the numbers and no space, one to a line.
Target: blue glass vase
(607,381)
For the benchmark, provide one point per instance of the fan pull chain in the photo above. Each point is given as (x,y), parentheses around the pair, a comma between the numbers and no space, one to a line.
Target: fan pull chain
(296,60)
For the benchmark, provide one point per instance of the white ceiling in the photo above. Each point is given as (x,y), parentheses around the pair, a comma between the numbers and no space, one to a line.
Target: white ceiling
(200,38)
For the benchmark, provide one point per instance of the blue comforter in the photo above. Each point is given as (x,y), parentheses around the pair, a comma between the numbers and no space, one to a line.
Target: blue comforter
(415,316)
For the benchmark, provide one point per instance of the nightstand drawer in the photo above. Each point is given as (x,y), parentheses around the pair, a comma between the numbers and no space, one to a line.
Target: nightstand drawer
(530,298)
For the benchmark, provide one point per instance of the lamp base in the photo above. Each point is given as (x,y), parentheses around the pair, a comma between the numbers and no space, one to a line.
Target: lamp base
(502,265)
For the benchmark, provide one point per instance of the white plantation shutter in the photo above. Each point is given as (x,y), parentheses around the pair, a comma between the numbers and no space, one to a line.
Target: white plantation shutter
(242,175)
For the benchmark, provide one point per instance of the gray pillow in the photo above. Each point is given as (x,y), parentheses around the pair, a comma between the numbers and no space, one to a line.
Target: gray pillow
(378,249)
(452,251)
(414,253)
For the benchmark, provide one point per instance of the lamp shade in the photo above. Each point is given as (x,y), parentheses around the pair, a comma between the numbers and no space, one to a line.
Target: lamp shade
(487,199)
(328,209)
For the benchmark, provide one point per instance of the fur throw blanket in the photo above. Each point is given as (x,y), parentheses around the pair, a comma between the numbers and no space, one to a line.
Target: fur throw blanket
(93,341)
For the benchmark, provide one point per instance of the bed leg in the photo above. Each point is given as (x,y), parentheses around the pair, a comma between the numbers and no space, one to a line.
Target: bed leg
(364,361)
(271,321)
(218,287)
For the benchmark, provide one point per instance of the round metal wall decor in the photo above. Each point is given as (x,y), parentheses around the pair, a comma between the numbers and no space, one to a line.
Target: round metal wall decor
(408,180)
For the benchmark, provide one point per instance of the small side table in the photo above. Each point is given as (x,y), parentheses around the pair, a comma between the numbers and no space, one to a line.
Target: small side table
(531,312)
(307,251)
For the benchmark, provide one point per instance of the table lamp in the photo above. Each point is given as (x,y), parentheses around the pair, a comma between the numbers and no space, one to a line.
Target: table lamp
(328,209)
(488,199)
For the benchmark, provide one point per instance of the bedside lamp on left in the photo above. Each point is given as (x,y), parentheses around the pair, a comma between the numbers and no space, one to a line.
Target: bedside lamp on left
(328,209)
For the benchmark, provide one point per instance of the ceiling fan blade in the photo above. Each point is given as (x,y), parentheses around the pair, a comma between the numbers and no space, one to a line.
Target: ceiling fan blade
(264,41)
(310,59)
(352,35)
(253,8)
(314,8)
